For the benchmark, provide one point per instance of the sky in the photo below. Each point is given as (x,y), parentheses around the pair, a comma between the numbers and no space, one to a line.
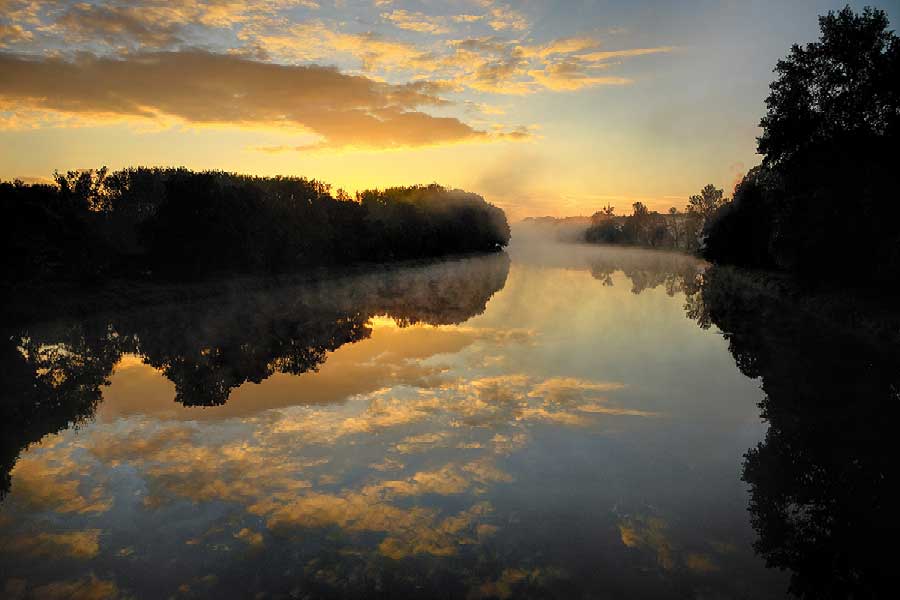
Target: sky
(543,107)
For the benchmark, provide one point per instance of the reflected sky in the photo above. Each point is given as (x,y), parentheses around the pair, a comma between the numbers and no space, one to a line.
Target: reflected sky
(560,430)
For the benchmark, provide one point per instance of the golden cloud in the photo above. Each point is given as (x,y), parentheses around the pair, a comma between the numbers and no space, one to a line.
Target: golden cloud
(560,390)
(416,21)
(48,478)
(502,18)
(316,41)
(205,88)
(569,75)
(12,33)
(610,54)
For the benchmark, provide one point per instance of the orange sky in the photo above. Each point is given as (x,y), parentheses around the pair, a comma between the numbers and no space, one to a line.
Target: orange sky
(543,107)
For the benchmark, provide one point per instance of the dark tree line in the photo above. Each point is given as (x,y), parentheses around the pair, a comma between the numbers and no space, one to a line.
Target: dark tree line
(674,230)
(823,204)
(91,225)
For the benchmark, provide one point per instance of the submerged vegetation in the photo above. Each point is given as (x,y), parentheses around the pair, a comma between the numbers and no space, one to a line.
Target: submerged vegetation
(167,222)
(822,205)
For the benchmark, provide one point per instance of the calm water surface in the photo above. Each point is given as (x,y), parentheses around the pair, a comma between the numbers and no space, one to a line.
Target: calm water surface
(548,423)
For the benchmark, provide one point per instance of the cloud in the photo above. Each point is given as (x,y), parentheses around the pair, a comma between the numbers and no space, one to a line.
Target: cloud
(317,41)
(610,54)
(561,46)
(48,478)
(501,66)
(252,538)
(503,18)
(140,25)
(652,534)
(11,34)
(153,26)
(498,64)
(74,544)
(89,587)
(416,21)
(205,88)
(649,533)
(570,391)
(569,76)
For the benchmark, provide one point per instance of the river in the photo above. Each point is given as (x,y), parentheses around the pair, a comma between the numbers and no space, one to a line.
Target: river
(556,421)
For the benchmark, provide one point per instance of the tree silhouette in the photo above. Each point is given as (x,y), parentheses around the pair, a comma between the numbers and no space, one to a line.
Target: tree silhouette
(846,85)
(644,228)
(822,204)
(175,223)
(706,202)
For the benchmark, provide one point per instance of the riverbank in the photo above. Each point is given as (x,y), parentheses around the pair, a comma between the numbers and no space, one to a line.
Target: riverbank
(860,312)
(172,224)
(34,302)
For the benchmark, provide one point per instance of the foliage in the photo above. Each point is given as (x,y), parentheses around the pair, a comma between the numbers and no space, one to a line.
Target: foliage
(846,85)
(674,230)
(179,223)
(708,201)
(740,231)
(823,203)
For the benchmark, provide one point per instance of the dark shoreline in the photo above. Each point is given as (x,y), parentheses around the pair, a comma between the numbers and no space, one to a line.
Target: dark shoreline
(863,312)
(859,312)
(33,303)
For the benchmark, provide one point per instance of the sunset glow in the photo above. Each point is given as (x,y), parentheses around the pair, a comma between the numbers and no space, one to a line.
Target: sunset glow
(542,107)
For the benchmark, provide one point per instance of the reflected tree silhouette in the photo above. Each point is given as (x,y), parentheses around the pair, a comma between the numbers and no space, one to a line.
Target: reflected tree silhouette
(51,381)
(53,373)
(822,481)
(648,270)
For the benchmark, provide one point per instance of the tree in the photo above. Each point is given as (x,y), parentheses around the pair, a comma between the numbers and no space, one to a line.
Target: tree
(83,188)
(845,85)
(639,209)
(673,225)
(708,201)
(165,222)
(830,132)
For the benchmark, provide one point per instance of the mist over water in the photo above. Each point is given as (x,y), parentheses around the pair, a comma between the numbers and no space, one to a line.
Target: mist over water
(551,422)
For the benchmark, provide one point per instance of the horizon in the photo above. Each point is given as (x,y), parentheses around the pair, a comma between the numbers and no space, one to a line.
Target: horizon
(544,109)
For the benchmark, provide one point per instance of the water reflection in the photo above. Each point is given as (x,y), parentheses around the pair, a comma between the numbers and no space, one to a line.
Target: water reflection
(822,481)
(551,428)
(54,372)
